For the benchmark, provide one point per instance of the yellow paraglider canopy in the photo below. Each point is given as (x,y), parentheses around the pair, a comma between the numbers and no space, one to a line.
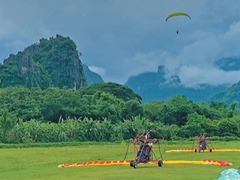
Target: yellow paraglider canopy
(179,13)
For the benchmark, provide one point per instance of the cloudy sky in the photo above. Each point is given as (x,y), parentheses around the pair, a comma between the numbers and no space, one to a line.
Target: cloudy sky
(122,38)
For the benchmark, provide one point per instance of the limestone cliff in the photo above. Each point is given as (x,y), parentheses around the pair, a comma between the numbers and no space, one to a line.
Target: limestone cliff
(51,62)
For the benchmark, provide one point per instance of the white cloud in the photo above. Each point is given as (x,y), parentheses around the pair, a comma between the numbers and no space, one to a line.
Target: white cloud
(233,32)
(192,76)
(99,70)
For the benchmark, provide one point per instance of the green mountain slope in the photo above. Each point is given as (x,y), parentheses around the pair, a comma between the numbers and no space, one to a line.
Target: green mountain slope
(51,62)
(229,95)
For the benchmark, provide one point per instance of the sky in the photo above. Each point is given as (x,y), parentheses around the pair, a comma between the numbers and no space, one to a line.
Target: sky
(123,38)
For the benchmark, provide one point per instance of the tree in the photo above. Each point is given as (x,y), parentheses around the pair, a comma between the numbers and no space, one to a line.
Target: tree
(132,108)
(176,110)
(210,112)
(7,122)
(152,110)
(228,127)
(190,130)
(206,125)
(106,105)
(119,91)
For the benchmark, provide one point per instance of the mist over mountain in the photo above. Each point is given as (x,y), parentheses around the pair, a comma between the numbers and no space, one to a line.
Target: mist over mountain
(228,64)
(158,86)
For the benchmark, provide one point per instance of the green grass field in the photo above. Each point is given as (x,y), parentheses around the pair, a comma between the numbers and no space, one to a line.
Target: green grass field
(42,162)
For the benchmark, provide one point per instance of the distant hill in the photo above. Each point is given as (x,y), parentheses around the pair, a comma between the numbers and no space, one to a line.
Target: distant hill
(229,95)
(52,62)
(156,86)
(91,77)
(232,93)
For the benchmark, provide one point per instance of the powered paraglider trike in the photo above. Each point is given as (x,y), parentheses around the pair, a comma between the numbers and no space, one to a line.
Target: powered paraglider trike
(202,143)
(143,147)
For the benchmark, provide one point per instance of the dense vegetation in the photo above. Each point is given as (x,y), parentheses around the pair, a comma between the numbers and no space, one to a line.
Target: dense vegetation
(106,112)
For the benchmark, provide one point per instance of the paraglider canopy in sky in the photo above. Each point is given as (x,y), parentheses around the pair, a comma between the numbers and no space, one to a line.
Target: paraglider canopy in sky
(179,13)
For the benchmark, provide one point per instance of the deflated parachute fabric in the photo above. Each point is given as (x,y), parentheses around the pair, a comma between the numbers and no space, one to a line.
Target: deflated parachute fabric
(213,150)
(90,163)
(127,162)
(179,13)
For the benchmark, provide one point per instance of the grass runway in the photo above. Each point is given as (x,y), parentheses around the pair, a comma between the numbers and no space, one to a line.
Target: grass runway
(42,162)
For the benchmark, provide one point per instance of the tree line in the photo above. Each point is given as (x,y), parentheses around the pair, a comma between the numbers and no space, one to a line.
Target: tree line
(106,112)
